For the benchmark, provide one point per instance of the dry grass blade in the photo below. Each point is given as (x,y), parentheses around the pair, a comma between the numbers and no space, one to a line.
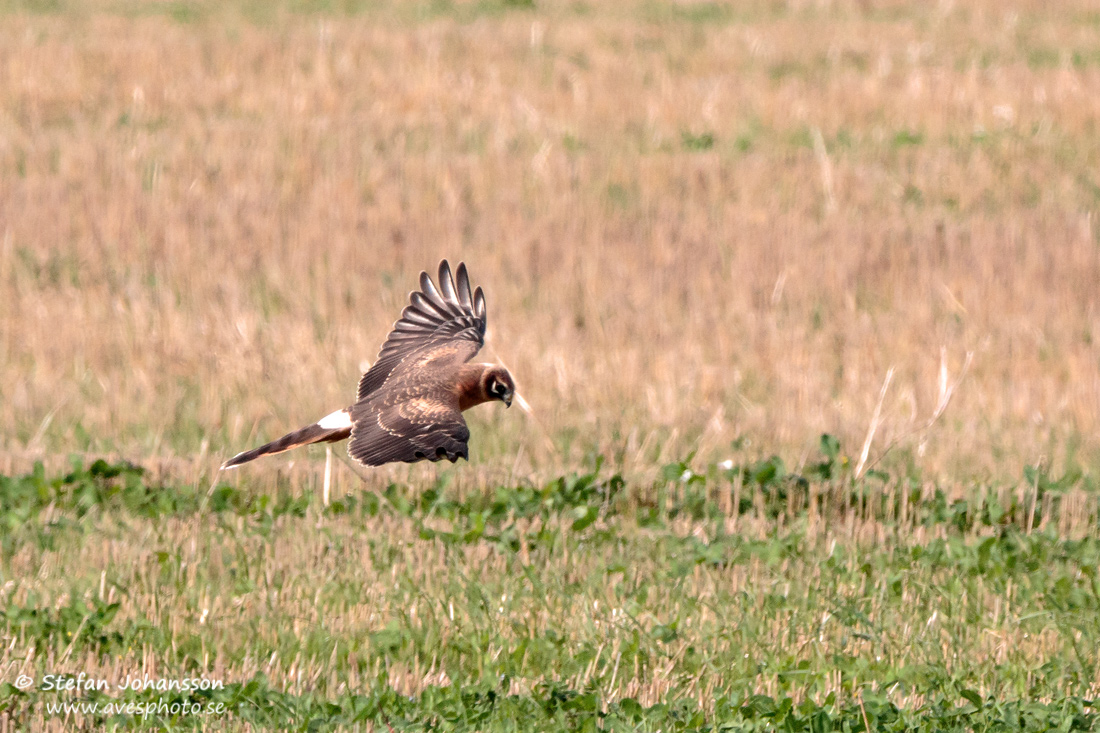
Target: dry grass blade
(945,392)
(826,170)
(875,417)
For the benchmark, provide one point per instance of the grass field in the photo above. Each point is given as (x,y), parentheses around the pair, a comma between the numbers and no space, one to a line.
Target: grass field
(710,234)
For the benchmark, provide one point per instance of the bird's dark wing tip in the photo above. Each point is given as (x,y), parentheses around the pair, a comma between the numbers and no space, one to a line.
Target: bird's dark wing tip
(447,312)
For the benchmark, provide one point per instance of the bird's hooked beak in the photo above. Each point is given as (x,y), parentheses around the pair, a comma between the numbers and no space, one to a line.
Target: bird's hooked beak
(507,400)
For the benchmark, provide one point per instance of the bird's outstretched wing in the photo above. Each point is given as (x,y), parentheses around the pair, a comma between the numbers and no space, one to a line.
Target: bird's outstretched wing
(449,314)
(419,429)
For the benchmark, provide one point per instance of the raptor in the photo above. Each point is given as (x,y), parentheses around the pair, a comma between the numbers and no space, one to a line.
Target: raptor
(410,402)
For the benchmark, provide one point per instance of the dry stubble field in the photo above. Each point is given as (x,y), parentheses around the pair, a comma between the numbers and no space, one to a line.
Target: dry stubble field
(707,233)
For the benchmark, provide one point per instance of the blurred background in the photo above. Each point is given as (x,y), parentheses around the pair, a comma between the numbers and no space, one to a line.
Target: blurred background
(701,227)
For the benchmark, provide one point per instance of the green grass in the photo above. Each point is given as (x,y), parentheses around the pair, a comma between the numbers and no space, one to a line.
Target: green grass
(718,598)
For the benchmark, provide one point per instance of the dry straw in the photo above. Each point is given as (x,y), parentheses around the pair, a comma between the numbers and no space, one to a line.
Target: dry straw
(689,235)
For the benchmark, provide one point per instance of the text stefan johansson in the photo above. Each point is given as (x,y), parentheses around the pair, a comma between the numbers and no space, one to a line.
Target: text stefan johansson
(84,683)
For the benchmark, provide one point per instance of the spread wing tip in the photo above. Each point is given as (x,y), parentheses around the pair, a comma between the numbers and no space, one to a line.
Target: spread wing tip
(479,304)
(463,285)
(446,282)
(434,314)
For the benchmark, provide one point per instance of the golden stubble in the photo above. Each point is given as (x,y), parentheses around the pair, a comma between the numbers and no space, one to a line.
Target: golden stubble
(208,228)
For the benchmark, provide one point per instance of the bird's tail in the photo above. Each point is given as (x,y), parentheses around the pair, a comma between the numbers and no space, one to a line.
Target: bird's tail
(336,426)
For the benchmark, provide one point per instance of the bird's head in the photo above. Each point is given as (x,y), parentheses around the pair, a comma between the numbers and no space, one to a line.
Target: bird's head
(498,385)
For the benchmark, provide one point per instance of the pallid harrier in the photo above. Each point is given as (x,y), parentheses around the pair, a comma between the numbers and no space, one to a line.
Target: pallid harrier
(410,403)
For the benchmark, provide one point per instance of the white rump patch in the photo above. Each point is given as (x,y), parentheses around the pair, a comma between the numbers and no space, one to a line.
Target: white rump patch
(338,419)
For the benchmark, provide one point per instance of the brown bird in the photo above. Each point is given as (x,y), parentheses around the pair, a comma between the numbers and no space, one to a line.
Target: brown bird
(410,403)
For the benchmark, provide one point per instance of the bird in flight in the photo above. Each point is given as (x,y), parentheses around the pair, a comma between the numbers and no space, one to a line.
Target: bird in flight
(410,402)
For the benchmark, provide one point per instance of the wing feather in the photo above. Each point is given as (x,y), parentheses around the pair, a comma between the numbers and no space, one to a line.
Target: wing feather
(413,320)
(433,317)
(447,286)
(464,288)
(427,306)
(410,431)
(479,303)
